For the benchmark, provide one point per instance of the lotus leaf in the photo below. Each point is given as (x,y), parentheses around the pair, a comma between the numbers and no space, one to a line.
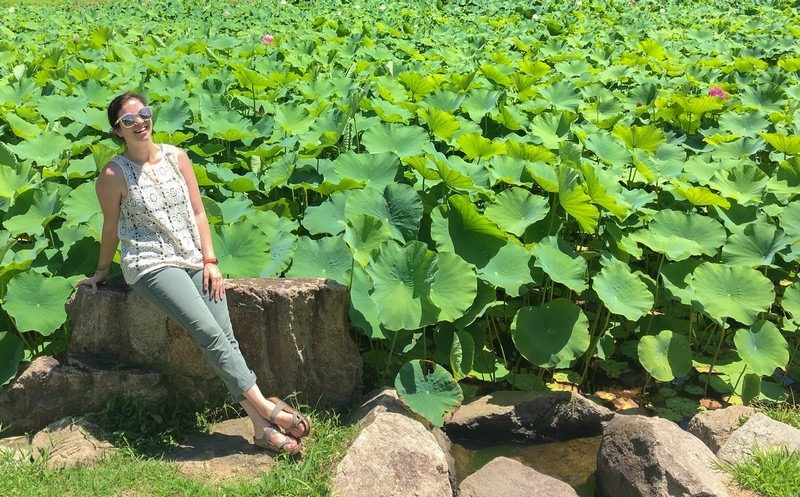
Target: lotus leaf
(515,209)
(791,302)
(762,347)
(622,291)
(399,207)
(646,138)
(364,234)
(551,336)
(462,353)
(327,217)
(376,171)
(441,123)
(36,303)
(460,228)
(756,246)
(736,292)
(403,141)
(428,390)
(561,263)
(241,249)
(551,128)
(11,355)
(665,356)
(575,200)
(681,235)
(509,269)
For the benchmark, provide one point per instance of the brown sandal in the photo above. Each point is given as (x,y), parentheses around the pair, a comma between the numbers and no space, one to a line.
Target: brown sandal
(265,442)
(297,418)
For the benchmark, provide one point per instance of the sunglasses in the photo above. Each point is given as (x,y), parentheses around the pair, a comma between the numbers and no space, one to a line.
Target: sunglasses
(129,120)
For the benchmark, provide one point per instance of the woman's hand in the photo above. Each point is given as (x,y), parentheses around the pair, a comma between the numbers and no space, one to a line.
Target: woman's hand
(99,276)
(213,283)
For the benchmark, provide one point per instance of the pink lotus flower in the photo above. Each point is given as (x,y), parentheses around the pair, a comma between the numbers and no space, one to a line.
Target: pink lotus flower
(267,39)
(718,92)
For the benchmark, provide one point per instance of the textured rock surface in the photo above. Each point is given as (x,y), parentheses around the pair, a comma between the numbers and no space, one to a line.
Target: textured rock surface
(393,455)
(509,478)
(528,416)
(292,332)
(760,432)
(48,390)
(714,427)
(653,457)
(226,453)
(69,442)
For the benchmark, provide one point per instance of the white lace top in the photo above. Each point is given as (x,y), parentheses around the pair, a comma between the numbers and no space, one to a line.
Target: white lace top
(157,227)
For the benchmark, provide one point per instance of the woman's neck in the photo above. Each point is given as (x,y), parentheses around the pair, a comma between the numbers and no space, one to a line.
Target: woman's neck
(142,153)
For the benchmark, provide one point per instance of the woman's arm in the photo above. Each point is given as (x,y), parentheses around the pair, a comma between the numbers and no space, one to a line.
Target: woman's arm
(212,277)
(110,189)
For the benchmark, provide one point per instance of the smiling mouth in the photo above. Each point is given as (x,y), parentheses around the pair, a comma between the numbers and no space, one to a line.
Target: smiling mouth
(142,129)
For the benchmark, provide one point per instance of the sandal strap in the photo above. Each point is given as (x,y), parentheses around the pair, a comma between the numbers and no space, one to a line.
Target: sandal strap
(280,406)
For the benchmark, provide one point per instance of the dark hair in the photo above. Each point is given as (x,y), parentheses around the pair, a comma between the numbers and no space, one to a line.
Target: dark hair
(118,102)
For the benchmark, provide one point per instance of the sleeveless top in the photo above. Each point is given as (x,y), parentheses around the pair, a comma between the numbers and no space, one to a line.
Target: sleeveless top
(157,227)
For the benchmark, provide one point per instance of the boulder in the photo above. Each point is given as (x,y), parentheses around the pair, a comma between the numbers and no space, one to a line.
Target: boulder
(506,416)
(714,427)
(509,478)
(69,442)
(653,457)
(49,389)
(392,455)
(226,453)
(293,333)
(759,432)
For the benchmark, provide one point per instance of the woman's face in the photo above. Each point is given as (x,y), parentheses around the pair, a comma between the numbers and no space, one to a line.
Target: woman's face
(142,128)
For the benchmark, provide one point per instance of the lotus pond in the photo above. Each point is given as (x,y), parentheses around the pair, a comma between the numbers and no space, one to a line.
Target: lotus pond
(545,194)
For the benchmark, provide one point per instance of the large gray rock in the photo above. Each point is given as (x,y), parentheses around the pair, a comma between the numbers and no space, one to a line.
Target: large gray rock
(49,389)
(509,478)
(293,333)
(759,432)
(653,457)
(393,456)
(527,416)
(714,427)
(69,442)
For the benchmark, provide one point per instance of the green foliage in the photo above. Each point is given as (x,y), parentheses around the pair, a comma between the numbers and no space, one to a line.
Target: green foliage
(773,473)
(463,167)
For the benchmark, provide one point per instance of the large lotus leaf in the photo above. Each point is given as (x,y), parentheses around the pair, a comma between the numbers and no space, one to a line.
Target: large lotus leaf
(551,336)
(789,145)
(622,291)
(756,246)
(485,298)
(374,170)
(480,102)
(19,178)
(790,221)
(607,148)
(446,100)
(441,123)
(666,163)
(7,157)
(403,141)
(363,310)
(745,183)
(34,209)
(281,238)
(398,206)
(736,292)
(462,354)
(37,303)
(551,128)
(459,227)
(476,146)
(22,128)
(515,209)
(741,148)
(646,138)
(764,98)
(744,124)
(54,107)
(561,263)
(44,149)
(575,200)
(451,177)
(415,287)
(294,119)
(509,269)
(81,204)
(665,356)
(172,115)
(227,125)
(762,347)
(602,188)
(791,302)
(680,235)
(328,257)
(562,95)
(11,354)
(428,390)
(236,208)
(365,234)
(327,217)
(673,277)
(241,249)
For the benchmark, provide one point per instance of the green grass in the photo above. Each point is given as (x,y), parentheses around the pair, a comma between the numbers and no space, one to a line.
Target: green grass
(769,473)
(785,413)
(145,431)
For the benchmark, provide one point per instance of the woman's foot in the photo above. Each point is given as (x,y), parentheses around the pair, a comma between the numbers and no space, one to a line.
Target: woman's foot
(288,419)
(273,439)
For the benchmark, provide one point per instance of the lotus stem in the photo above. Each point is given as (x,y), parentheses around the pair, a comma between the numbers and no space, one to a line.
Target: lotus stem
(655,297)
(714,359)
(741,375)
(594,340)
(391,354)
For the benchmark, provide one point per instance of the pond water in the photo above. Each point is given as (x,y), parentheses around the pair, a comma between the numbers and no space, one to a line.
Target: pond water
(573,461)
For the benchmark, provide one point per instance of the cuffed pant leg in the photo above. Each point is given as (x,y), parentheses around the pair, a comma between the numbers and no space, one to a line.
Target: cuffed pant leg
(179,294)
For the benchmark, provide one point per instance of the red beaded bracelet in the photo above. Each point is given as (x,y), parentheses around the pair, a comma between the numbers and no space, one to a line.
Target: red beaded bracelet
(209,260)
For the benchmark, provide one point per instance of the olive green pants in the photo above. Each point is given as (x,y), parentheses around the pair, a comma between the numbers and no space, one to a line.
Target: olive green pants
(179,294)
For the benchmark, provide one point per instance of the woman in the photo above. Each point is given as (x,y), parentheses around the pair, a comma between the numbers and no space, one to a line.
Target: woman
(151,203)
